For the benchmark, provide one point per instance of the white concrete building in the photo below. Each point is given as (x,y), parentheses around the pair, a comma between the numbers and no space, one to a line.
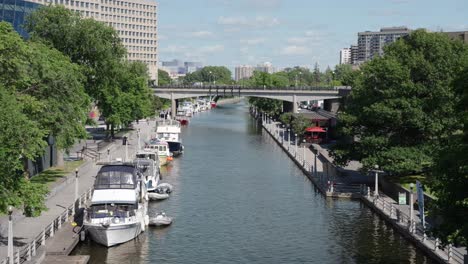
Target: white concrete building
(243,72)
(371,44)
(345,56)
(135,21)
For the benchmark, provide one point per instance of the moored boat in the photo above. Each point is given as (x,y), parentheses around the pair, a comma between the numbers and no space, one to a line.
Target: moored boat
(169,131)
(119,205)
(161,149)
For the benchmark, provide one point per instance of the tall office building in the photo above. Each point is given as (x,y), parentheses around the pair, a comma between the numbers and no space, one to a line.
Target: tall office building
(15,12)
(192,66)
(345,56)
(371,44)
(354,54)
(265,67)
(134,20)
(243,72)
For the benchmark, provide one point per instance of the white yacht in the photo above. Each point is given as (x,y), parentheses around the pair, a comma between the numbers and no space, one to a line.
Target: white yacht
(150,169)
(169,131)
(119,205)
(158,147)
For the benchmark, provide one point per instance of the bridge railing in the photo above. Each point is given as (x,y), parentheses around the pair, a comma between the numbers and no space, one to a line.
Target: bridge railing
(241,87)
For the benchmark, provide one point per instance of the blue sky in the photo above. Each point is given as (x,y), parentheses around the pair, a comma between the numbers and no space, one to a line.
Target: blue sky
(289,32)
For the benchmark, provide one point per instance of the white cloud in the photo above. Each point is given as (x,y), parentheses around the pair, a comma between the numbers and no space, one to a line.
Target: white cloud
(201,34)
(258,21)
(295,50)
(254,41)
(211,49)
(174,49)
(244,50)
(298,40)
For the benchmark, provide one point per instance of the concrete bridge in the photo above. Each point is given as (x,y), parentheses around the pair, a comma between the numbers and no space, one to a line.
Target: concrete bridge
(291,96)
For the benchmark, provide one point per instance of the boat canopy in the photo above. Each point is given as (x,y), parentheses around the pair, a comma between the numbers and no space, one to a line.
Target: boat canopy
(113,196)
(116,177)
(315,129)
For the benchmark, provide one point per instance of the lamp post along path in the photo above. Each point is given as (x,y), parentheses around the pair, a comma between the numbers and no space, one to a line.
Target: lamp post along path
(411,207)
(10,235)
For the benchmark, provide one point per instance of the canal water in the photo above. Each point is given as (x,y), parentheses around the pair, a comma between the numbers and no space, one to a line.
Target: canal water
(239,199)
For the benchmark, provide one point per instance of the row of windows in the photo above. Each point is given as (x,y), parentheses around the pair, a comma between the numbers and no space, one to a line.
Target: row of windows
(145,61)
(136,34)
(77,3)
(138,41)
(127,4)
(129,19)
(129,26)
(87,13)
(126,11)
(139,48)
(142,56)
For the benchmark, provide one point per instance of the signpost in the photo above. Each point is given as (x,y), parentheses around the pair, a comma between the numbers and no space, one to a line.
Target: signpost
(402,198)
(420,191)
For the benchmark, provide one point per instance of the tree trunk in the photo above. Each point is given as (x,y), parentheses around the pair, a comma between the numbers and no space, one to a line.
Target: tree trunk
(60,162)
(112,131)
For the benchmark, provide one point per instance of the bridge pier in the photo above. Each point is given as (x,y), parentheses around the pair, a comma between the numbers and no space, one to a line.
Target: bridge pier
(173,106)
(291,106)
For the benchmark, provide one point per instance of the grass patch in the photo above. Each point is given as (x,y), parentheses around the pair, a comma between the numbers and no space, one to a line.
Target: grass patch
(50,176)
(405,182)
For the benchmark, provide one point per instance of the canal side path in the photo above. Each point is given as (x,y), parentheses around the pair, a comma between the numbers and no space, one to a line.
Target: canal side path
(314,162)
(61,198)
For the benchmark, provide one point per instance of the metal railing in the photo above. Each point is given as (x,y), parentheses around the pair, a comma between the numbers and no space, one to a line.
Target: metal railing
(29,250)
(241,87)
(416,229)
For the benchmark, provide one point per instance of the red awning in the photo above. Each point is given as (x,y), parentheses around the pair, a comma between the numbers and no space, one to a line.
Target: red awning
(315,129)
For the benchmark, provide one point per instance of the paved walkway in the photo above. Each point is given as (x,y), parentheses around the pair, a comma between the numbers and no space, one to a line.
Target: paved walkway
(26,229)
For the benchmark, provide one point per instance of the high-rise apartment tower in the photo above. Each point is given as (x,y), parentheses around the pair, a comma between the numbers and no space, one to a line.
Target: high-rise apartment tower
(134,20)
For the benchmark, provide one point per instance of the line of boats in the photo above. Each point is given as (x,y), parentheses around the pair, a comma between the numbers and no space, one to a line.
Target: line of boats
(118,211)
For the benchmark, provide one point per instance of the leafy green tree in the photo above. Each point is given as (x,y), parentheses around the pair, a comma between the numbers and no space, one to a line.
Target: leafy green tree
(328,76)
(317,75)
(345,75)
(266,80)
(163,77)
(401,108)
(450,176)
(22,138)
(210,75)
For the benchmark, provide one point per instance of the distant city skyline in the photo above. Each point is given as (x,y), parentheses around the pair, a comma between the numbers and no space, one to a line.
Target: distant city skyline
(288,33)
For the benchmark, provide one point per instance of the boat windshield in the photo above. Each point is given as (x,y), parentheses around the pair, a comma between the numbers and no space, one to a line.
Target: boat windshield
(116,178)
(111,210)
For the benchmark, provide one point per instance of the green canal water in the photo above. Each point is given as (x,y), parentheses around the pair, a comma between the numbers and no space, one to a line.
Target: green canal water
(239,199)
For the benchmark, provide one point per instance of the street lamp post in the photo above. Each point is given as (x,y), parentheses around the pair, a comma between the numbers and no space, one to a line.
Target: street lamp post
(303,152)
(376,192)
(282,135)
(295,143)
(108,155)
(287,138)
(411,207)
(76,192)
(126,149)
(10,235)
(138,135)
(315,165)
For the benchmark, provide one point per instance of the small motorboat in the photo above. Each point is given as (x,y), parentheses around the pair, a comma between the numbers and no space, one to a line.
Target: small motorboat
(164,188)
(161,219)
(152,196)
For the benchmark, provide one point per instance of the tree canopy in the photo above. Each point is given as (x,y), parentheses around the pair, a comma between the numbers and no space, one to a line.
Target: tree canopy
(119,89)
(210,75)
(450,176)
(163,77)
(401,108)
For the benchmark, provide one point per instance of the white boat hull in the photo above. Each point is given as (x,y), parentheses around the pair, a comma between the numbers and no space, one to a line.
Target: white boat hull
(157,196)
(114,234)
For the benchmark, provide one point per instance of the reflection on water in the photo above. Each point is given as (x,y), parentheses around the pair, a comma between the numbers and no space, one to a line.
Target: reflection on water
(239,199)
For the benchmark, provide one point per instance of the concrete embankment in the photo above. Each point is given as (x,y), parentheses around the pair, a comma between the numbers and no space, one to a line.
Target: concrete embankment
(388,209)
